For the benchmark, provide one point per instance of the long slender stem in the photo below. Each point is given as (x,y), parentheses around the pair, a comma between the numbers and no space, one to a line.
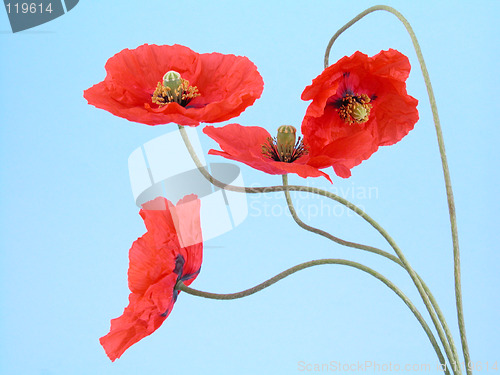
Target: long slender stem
(325,234)
(354,208)
(279,188)
(444,163)
(416,280)
(180,286)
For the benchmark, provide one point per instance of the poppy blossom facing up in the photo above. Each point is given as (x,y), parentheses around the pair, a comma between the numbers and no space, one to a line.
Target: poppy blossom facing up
(156,85)
(170,250)
(255,147)
(358,104)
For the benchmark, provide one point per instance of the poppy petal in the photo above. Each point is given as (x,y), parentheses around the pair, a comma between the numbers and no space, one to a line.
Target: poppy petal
(244,144)
(154,270)
(144,315)
(227,84)
(392,113)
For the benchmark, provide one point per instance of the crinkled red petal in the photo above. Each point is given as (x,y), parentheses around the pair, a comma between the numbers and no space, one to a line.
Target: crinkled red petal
(152,279)
(393,113)
(244,144)
(144,315)
(228,84)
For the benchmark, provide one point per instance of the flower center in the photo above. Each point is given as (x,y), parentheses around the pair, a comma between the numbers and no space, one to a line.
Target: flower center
(174,89)
(354,109)
(283,147)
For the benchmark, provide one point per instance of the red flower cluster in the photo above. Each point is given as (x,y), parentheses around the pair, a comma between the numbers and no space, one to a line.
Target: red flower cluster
(358,104)
(212,87)
(171,250)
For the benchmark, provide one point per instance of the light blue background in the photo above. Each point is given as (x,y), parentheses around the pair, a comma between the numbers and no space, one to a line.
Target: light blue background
(68,217)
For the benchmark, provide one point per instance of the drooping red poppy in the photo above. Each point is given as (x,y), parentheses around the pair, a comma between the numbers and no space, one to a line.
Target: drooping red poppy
(358,104)
(255,147)
(170,250)
(209,87)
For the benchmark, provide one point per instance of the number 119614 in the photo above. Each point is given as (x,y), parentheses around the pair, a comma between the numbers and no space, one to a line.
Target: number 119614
(28,8)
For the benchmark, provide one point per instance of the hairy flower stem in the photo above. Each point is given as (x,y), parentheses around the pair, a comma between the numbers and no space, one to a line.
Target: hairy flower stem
(444,162)
(180,286)
(340,200)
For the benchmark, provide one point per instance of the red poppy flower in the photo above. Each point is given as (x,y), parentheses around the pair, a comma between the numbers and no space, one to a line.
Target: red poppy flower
(255,147)
(358,104)
(208,87)
(170,250)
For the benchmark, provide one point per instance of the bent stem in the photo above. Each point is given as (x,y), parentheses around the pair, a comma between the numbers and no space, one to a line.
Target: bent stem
(444,162)
(181,286)
(449,344)
(279,188)
(346,203)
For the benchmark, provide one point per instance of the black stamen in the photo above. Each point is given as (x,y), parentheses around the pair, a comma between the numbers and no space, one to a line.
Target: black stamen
(270,149)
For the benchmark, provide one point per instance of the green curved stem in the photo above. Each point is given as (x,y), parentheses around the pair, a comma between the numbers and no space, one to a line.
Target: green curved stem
(180,286)
(352,207)
(435,306)
(337,198)
(444,162)
(349,205)
(279,188)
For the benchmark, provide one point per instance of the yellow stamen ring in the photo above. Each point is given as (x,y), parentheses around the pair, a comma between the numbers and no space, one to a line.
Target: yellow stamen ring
(182,94)
(355,109)
(284,147)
